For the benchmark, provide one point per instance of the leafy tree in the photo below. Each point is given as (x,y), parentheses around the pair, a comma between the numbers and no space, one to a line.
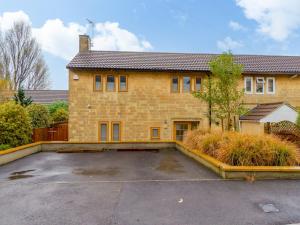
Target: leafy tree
(60,115)
(39,115)
(57,105)
(21,99)
(221,91)
(15,126)
(21,59)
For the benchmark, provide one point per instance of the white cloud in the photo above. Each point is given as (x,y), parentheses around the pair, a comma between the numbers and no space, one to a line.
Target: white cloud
(8,18)
(61,39)
(277,19)
(236,26)
(229,44)
(109,36)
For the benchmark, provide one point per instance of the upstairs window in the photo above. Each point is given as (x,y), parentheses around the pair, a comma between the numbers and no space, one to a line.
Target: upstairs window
(175,84)
(248,85)
(186,84)
(155,133)
(123,83)
(259,86)
(97,83)
(197,83)
(110,83)
(271,85)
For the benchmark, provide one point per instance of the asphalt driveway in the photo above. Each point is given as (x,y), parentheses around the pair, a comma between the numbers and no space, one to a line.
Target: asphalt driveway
(128,188)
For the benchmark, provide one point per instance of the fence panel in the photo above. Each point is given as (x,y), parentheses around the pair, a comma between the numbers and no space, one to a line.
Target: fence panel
(57,133)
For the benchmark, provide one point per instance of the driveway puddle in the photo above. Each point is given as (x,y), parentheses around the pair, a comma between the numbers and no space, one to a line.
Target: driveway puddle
(110,171)
(20,175)
(170,165)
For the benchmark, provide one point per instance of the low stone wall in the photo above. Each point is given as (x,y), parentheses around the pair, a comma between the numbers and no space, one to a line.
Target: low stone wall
(85,147)
(19,152)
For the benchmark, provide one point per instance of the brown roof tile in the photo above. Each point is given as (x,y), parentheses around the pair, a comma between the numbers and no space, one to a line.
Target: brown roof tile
(180,61)
(261,111)
(47,96)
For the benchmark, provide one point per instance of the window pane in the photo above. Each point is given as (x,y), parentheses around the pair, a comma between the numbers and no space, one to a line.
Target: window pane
(175,84)
(248,87)
(110,83)
(198,83)
(155,133)
(123,83)
(98,82)
(259,85)
(271,85)
(186,84)
(116,132)
(103,132)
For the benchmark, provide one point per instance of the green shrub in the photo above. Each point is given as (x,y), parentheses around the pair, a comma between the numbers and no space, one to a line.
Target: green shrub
(39,115)
(298,120)
(4,147)
(15,125)
(247,150)
(57,105)
(60,115)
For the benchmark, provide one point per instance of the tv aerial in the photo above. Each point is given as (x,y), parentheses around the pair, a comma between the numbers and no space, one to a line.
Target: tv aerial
(91,28)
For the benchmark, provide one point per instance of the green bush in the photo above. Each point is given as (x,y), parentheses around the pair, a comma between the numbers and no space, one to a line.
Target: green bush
(298,120)
(4,147)
(57,105)
(39,115)
(246,150)
(15,125)
(60,115)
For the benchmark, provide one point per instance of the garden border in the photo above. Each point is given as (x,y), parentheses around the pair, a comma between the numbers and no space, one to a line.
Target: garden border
(224,170)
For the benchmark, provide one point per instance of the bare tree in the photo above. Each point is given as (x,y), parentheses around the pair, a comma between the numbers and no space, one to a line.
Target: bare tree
(21,59)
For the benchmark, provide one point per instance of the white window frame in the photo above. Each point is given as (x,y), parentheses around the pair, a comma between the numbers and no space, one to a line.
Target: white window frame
(245,85)
(274,85)
(263,90)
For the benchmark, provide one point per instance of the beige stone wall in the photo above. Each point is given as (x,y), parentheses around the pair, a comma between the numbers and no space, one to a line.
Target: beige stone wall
(148,103)
(287,89)
(248,127)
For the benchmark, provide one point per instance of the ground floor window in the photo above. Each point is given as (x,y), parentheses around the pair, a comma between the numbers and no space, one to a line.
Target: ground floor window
(155,133)
(103,131)
(116,131)
(181,129)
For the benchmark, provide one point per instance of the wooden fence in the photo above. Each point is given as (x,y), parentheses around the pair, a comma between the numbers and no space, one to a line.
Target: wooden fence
(58,132)
(285,130)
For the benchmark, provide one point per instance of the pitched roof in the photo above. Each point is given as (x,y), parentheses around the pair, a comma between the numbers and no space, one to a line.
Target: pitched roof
(261,111)
(47,96)
(180,61)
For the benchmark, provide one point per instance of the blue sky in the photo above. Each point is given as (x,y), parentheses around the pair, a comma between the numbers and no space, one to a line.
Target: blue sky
(212,26)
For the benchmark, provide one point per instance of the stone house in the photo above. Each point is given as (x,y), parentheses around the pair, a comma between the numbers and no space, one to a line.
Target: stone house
(142,96)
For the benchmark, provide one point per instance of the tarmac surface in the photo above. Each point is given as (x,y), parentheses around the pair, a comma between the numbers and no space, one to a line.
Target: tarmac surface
(160,187)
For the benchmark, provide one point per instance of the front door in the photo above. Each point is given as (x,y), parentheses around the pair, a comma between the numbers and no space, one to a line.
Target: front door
(181,129)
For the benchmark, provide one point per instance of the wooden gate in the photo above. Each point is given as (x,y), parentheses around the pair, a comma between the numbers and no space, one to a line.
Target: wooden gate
(58,132)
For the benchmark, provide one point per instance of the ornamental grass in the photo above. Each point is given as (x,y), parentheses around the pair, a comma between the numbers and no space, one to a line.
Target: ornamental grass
(243,149)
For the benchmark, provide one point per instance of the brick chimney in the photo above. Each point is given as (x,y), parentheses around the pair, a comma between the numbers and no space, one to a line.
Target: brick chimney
(84,43)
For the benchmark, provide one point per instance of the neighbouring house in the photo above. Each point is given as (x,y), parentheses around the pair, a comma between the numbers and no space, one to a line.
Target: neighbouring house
(127,96)
(254,121)
(46,97)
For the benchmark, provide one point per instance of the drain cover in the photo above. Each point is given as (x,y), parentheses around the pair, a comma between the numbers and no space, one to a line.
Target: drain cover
(268,208)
